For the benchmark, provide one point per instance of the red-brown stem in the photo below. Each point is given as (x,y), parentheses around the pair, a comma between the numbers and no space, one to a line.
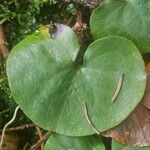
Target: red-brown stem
(3,42)
(23,127)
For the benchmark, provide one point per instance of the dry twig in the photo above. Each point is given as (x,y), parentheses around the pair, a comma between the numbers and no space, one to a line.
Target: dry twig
(88,119)
(25,126)
(3,132)
(118,87)
(44,138)
(40,136)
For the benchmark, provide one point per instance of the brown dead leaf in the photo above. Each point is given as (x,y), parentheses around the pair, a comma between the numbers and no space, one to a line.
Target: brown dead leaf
(146,98)
(135,130)
(10,143)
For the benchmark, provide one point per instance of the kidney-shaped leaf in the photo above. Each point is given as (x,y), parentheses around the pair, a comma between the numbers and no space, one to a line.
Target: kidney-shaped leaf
(129,18)
(51,88)
(118,146)
(61,142)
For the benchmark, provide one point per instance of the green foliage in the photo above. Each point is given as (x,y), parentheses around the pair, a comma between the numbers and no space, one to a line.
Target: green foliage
(48,81)
(6,104)
(71,9)
(40,3)
(21,18)
(11,10)
(22,12)
(60,142)
(128,18)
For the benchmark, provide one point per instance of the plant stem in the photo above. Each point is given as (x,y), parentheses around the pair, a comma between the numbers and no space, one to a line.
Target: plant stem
(3,43)
(80,29)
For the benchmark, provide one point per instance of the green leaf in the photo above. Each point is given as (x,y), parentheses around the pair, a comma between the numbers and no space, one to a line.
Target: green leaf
(128,18)
(118,146)
(51,88)
(61,142)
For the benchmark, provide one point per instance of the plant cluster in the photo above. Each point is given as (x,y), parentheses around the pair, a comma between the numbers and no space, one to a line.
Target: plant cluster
(77,93)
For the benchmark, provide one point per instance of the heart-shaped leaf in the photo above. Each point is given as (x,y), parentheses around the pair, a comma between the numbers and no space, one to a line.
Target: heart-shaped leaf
(118,146)
(60,142)
(128,18)
(51,86)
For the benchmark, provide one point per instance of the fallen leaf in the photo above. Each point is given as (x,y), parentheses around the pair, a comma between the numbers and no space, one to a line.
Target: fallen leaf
(135,130)
(146,99)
